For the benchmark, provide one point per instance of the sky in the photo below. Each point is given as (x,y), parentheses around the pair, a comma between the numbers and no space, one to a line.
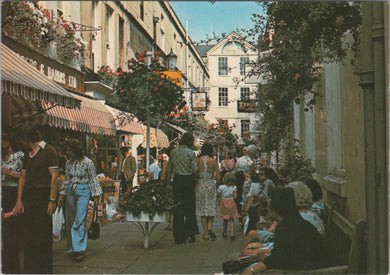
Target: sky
(223,16)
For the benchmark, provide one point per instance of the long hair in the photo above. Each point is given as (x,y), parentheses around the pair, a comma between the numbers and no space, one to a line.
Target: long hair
(77,149)
(206,150)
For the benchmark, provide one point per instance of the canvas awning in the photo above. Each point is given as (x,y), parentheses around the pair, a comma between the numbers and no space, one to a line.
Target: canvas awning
(125,122)
(92,117)
(157,138)
(19,78)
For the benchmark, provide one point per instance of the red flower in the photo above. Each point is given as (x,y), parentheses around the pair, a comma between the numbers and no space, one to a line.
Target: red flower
(160,83)
(339,20)
(110,74)
(121,91)
(155,89)
(297,76)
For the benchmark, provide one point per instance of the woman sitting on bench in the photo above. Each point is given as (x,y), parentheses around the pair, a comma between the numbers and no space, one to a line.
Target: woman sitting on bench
(297,244)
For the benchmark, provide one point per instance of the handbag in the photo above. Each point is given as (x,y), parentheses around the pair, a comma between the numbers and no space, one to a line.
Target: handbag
(236,265)
(94,230)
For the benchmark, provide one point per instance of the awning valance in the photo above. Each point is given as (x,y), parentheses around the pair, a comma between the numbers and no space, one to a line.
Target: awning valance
(92,117)
(19,78)
(123,121)
(157,138)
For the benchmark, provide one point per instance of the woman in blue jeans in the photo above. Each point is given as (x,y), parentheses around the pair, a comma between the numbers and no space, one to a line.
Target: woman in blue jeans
(79,186)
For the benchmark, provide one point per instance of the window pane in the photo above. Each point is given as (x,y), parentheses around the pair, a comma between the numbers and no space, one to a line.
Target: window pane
(222,66)
(245,94)
(244,127)
(222,97)
(243,60)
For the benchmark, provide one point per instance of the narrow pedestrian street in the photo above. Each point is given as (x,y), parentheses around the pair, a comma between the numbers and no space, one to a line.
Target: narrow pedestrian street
(120,250)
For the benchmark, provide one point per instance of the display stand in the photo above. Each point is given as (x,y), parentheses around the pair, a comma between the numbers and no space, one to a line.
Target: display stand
(146,224)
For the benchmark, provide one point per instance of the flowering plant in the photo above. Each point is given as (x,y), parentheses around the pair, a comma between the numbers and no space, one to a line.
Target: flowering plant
(107,75)
(220,136)
(31,21)
(151,197)
(145,91)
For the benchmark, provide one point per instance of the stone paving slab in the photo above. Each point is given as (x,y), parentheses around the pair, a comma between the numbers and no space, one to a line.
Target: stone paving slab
(120,250)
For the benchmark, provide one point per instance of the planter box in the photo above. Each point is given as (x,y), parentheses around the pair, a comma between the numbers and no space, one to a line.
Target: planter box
(144,217)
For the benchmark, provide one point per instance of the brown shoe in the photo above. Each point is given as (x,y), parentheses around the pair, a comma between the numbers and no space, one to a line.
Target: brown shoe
(79,256)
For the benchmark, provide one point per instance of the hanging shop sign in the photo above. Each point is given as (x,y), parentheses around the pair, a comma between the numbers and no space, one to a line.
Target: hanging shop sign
(68,77)
(173,76)
(246,106)
(199,101)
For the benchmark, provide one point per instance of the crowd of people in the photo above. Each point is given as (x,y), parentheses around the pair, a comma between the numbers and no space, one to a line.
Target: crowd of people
(244,189)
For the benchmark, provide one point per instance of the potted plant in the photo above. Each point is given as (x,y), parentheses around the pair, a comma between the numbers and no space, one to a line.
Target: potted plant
(147,202)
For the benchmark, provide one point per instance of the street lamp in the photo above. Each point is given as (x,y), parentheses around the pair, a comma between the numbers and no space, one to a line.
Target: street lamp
(171,60)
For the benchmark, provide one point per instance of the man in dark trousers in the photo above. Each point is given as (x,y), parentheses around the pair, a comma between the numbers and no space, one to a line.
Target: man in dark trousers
(184,168)
(129,167)
(37,199)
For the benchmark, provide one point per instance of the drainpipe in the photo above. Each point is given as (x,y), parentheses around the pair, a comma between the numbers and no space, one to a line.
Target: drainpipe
(372,82)
(380,136)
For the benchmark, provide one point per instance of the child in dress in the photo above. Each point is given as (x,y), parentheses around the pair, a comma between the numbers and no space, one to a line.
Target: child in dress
(228,208)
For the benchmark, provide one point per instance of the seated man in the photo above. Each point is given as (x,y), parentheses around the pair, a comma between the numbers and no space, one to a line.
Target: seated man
(297,244)
(303,198)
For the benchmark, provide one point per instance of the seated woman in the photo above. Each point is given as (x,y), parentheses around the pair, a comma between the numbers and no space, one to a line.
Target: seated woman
(303,199)
(318,205)
(297,244)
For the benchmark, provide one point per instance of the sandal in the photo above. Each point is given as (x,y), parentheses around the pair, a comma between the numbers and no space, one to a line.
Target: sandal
(233,237)
(204,237)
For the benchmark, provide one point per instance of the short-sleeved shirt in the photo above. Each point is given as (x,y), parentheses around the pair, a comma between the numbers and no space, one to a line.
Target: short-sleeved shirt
(227,191)
(37,166)
(182,161)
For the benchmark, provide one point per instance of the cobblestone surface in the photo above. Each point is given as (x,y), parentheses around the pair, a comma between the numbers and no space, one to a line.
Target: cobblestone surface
(120,250)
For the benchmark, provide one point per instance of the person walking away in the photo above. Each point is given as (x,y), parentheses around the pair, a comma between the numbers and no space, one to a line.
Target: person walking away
(241,169)
(11,165)
(206,190)
(129,167)
(227,164)
(227,208)
(154,169)
(182,165)
(37,199)
(79,186)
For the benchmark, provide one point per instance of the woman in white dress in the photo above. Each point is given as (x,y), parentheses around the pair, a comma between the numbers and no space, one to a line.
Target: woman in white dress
(206,190)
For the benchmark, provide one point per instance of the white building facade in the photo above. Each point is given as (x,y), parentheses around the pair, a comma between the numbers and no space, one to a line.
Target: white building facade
(228,86)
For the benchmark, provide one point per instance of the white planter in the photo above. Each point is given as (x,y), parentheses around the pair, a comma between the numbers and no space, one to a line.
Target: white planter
(144,217)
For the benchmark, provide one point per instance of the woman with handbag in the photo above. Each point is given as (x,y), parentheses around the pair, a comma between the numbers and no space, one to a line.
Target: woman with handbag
(79,186)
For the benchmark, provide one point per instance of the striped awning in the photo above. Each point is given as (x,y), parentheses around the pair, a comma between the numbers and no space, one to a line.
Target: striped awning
(125,121)
(157,138)
(19,78)
(92,117)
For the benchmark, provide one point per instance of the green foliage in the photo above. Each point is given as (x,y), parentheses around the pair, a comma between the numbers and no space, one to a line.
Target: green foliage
(300,37)
(151,197)
(221,137)
(294,166)
(33,25)
(145,91)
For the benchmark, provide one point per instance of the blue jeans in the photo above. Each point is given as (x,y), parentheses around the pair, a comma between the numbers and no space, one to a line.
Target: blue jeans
(77,199)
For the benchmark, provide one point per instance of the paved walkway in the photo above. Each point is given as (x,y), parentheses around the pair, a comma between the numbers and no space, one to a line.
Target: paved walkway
(119,250)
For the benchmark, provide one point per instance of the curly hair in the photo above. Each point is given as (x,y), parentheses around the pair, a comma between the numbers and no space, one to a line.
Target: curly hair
(206,150)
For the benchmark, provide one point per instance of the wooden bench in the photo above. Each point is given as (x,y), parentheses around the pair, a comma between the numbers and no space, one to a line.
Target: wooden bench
(344,245)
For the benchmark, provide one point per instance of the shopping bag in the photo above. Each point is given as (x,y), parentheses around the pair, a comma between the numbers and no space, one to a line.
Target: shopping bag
(89,217)
(58,221)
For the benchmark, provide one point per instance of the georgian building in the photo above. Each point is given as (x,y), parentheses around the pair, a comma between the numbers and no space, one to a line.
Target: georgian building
(120,29)
(231,94)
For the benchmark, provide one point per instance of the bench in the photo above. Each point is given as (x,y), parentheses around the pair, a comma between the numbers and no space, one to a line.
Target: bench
(344,245)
